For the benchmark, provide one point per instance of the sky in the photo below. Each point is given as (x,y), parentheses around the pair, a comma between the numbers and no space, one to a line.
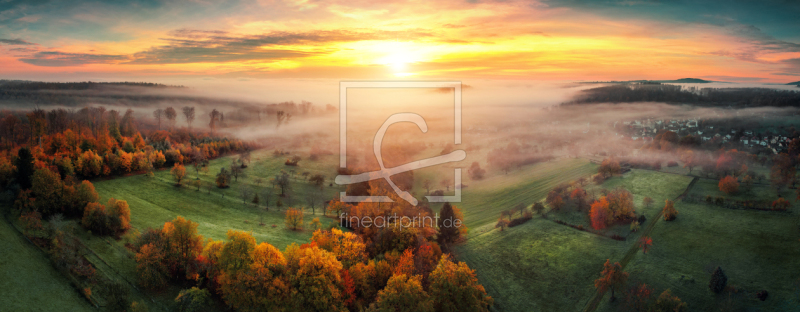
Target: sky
(156,40)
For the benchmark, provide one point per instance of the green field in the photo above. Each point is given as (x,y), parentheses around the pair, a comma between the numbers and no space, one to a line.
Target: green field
(27,276)
(641,183)
(545,266)
(539,266)
(482,201)
(758,250)
(155,200)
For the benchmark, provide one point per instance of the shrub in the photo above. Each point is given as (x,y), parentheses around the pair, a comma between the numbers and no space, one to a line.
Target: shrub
(719,201)
(193,300)
(718,281)
(517,221)
(762,295)
(672,163)
(780,204)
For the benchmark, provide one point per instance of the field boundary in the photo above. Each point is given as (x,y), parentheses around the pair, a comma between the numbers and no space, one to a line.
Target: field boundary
(594,302)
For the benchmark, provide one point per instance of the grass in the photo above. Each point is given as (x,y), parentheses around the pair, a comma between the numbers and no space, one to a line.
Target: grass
(482,201)
(641,183)
(28,277)
(544,266)
(756,249)
(155,200)
(539,266)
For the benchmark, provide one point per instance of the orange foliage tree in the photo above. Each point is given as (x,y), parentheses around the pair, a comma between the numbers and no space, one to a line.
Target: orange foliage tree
(611,278)
(294,219)
(404,293)
(600,214)
(348,247)
(178,172)
(669,211)
(729,185)
(315,275)
(150,268)
(455,287)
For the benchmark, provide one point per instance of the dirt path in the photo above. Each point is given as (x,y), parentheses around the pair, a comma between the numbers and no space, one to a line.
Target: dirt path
(598,296)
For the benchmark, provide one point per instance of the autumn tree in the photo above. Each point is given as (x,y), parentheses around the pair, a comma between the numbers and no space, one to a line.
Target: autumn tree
(188,114)
(336,207)
(638,297)
(475,172)
(781,204)
(403,293)
(259,282)
(690,160)
(315,275)
(450,224)
(645,243)
(178,173)
(729,185)
(668,303)
(183,244)
(151,271)
(223,178)
(669,211)
(455,287)
(348,247)
(294,219)
(647,201)
(783,170)
(600,214)
(501,224)
(611,278)
(609,167)
(237,253)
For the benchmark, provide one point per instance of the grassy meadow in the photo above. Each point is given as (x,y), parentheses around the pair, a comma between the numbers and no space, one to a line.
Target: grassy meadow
(27,276)
(155,200)
(754,249)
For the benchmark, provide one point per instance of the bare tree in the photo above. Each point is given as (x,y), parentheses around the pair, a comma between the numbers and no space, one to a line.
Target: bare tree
(188,113)
(158,115)
(214,119)
(170,113)
(445,183)
(245,192)
(282,181)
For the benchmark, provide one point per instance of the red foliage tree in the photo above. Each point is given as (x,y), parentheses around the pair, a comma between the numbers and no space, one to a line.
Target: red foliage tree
(729,185)
(600,214)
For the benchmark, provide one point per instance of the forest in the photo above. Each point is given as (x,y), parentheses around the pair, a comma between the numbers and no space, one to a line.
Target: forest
(673,94)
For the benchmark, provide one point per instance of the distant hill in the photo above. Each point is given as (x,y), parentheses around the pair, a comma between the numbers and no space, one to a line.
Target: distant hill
(686,80)
(668,93)
(682,80)
(21,94)
(796,83)
(83,85)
